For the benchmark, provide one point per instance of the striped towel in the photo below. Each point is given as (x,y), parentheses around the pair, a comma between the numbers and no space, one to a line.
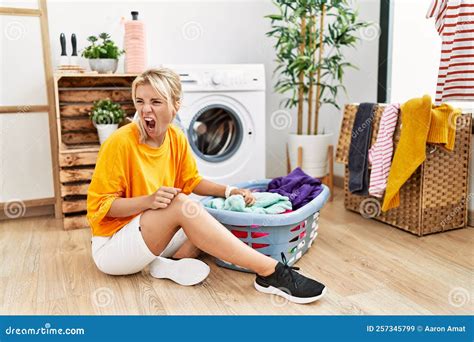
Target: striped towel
(380,155)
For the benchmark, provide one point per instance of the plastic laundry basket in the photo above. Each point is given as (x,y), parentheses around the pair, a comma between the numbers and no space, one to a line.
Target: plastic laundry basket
(291,233)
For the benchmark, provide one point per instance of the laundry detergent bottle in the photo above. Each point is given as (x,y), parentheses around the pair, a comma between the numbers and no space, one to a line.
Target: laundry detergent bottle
(135,45)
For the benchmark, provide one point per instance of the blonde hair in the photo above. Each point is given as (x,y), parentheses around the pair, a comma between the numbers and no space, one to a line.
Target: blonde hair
(166,83)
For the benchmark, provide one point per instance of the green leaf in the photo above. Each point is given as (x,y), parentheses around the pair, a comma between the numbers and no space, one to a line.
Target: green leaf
(274,16)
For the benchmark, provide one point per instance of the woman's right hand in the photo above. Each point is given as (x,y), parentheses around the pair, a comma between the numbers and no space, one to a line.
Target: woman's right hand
(162,197)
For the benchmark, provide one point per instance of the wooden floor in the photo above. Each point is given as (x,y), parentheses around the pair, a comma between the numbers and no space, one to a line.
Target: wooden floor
(368,267)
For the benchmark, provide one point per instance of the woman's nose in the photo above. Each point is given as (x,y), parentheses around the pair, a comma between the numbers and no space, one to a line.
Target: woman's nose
(146,108)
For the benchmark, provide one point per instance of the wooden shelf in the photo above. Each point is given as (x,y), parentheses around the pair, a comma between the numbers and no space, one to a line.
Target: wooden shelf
(79,148)
(92,74)
(75,95)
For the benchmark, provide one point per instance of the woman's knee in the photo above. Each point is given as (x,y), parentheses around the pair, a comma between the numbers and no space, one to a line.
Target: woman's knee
(176,213)
(180,198)
(186,207)
(179,202)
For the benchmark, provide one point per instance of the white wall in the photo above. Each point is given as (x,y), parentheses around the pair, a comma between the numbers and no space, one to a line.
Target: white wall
(415,58)
(224,32)
(25,158)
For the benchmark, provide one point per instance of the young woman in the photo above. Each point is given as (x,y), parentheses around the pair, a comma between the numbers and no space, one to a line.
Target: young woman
(137,202)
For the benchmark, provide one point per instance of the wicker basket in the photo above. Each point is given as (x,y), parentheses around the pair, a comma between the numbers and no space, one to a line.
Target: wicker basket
(434,199)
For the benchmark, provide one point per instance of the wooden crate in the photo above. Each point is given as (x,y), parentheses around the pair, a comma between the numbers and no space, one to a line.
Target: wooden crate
(78,139)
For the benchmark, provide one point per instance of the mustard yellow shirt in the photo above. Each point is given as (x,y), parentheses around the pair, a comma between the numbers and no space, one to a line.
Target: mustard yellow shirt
(126,168)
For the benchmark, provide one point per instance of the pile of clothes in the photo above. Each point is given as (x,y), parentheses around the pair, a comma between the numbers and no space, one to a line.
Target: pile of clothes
(421,122)
(283,195)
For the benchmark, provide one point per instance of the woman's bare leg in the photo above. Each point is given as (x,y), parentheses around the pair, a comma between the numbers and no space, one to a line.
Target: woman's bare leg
(187,250)
(205,232)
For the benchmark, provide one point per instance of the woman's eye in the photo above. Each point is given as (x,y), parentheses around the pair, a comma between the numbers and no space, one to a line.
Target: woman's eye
(139,101)
(156,102)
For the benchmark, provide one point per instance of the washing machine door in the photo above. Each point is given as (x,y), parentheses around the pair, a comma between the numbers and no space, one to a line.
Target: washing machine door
(215,133)
(220,132)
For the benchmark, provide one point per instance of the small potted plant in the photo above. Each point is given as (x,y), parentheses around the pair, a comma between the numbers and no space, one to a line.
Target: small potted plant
(106,116)
(103,55)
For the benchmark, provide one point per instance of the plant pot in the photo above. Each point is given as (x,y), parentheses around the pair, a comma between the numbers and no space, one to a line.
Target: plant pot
(103,65)
(104,131)
(315,153)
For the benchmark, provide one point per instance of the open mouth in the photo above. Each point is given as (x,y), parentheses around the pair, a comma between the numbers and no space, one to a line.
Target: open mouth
(150,123)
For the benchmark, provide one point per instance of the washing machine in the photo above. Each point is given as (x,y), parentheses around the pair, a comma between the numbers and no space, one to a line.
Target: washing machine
(223,115)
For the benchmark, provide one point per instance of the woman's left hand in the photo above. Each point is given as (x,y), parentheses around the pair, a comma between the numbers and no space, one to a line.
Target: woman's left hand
(247,194)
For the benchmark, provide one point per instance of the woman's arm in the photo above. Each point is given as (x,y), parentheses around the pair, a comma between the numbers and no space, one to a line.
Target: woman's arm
(208,188)
(123,207)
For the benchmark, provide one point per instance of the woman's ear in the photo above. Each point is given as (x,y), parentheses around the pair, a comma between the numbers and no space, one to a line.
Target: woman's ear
(177,105)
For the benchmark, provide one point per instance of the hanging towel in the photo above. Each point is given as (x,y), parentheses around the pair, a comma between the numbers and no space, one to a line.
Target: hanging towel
(359,149)
(299,187)
(380,155)
(265,203)
(454,21)
(421,123)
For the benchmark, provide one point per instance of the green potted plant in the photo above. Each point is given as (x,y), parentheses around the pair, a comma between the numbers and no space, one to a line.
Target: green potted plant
(103,54)
(310,38)
(106,116)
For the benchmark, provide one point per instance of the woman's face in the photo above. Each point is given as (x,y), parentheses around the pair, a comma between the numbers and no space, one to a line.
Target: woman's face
(153,111)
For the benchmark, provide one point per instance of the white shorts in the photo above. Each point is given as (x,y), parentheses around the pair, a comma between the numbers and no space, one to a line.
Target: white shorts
(126,252)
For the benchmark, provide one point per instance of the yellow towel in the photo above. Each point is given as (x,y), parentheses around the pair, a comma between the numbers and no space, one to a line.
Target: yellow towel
(443,125)
(421,122)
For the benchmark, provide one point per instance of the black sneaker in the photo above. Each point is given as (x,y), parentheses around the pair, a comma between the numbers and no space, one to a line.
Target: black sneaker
(289,284)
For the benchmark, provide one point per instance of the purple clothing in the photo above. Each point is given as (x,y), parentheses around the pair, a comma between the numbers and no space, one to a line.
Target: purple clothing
(297,186)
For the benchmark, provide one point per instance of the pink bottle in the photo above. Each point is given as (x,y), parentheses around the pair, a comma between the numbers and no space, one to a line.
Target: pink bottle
(135,45)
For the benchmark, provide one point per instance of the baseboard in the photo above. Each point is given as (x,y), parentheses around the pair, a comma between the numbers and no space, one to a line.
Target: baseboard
(28,211)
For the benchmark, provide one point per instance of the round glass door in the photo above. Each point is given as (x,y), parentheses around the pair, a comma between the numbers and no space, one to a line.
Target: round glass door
(215,133)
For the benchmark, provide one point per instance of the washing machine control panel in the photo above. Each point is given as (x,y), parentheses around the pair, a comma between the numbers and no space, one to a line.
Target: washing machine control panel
(220,80)
(225,79)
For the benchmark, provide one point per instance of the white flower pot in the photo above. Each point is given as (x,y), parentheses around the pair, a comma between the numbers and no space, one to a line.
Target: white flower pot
(315,153)
(103,65)
(104,131)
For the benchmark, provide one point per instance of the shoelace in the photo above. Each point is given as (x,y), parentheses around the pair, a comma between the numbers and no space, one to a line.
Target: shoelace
(289,269)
